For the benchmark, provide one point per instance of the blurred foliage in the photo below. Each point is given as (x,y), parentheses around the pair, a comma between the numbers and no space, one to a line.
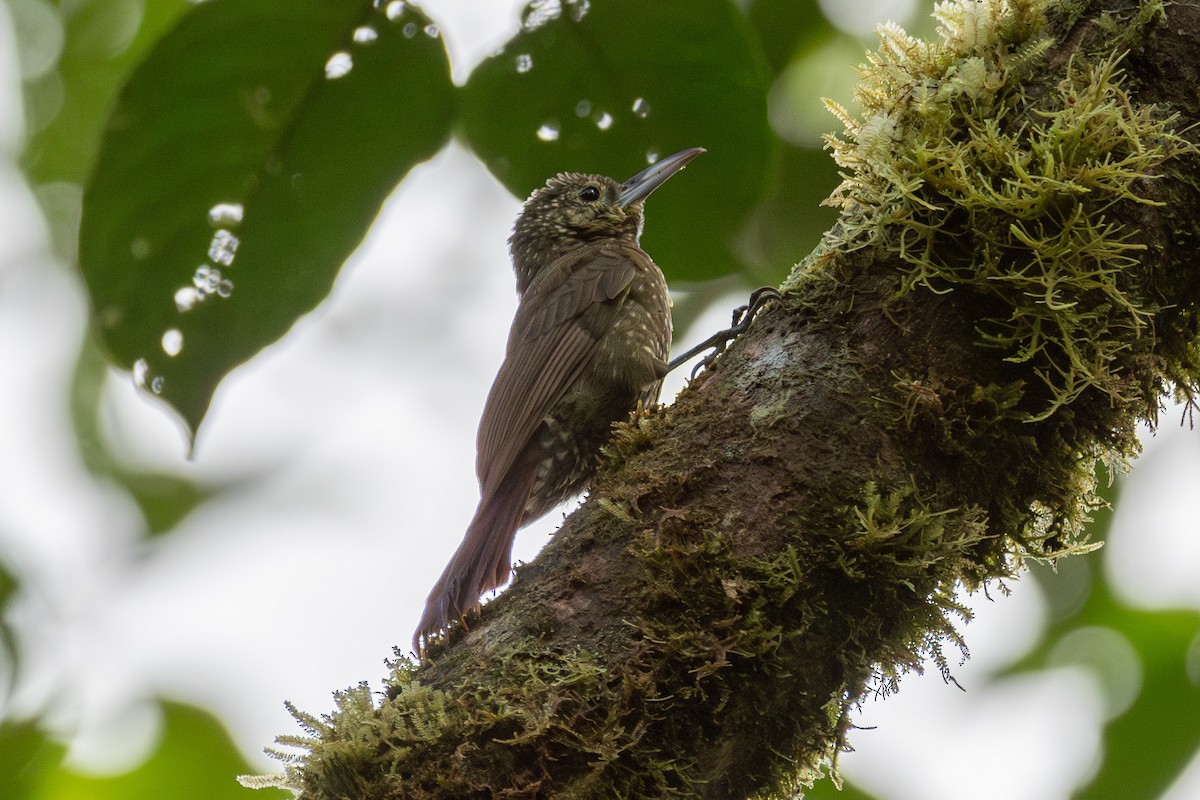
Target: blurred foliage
(315,109)
(164,499)
(785,27)
(192,130)
(601,92)
(826,790)
(66,107)
(1138,658)
(27,758)
(280,152)
(8,643)
(195,760)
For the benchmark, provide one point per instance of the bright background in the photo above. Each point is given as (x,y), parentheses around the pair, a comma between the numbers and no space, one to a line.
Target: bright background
(341,466)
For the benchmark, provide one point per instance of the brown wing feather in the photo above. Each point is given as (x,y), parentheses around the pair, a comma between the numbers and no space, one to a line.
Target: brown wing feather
(484,558)
(564,312)
(561,317)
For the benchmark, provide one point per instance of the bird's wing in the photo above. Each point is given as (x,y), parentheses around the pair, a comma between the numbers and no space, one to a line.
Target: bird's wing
(562,316)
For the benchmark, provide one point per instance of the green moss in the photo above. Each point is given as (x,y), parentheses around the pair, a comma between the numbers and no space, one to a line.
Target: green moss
(1125,33)
(711,619)
(950,171)
(902,551)
(707,620)
(971,175)
(978,174)
(555,706)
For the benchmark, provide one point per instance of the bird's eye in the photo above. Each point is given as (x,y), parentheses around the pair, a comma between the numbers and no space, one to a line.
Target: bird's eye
(589,194)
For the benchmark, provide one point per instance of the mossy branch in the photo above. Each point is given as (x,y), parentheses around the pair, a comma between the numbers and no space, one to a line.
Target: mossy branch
(1009,290)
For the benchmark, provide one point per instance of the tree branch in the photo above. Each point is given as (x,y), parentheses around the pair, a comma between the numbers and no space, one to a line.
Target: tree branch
(1010,288)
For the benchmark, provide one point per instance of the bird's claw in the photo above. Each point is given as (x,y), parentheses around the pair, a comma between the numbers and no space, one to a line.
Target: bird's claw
(743,316)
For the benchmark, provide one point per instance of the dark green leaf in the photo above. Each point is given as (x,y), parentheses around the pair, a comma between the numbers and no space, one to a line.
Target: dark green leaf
(790,220)
(611,86)
(785,26)
(65,108)
(235,112)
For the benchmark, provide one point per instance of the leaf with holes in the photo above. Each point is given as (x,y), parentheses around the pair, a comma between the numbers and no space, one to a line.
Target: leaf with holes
(609,87)
(246,158)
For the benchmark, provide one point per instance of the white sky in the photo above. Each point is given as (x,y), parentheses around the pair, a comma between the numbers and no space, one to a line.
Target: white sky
(354,438)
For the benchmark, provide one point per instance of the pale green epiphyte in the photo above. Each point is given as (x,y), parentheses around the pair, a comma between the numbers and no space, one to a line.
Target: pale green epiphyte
(953,165)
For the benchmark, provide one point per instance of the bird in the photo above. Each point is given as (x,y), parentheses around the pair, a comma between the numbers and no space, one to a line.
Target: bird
(588,346)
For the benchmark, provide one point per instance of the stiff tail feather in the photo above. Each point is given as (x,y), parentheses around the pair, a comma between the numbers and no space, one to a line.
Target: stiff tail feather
(482,562)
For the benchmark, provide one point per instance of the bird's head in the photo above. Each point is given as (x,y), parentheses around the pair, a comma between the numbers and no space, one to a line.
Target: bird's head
(574,209)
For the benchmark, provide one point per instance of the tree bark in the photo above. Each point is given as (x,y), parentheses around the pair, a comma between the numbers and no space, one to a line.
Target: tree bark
(1011,287)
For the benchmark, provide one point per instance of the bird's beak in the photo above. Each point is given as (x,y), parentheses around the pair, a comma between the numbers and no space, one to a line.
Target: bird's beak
(641,185)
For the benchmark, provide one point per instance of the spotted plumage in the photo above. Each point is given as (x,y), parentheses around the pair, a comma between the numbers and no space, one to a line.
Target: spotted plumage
(589,344)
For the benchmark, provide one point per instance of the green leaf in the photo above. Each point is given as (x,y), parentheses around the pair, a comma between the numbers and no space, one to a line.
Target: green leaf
(65,107)
(164,498)
(243,159)
(785,26)
(612,86)
(1153,735)
(8,645)
(195,761)
(825,789)
(790,220)
(27,757)
(1149,746)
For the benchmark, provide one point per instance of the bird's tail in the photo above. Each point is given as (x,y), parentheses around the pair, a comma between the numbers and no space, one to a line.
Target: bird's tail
(484,559)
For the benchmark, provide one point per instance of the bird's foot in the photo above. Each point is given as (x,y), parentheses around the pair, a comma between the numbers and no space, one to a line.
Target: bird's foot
(743,316)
